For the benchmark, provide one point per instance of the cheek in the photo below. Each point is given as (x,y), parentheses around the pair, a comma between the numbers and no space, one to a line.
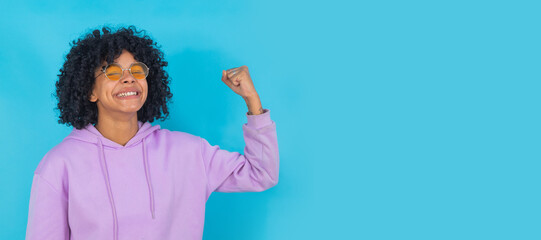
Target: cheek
(106,89)
(96,90)
(144,86)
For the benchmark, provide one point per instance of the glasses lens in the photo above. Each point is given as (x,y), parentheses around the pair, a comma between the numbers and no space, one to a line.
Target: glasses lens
(139,70)
(113,72)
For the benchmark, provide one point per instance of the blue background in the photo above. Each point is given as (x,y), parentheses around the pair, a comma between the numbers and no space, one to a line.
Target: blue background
(395,119)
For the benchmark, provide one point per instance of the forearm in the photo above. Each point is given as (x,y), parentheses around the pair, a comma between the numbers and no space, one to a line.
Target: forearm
(254,105)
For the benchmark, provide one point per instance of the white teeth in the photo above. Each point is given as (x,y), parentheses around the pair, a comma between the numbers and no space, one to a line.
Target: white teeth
(127,94)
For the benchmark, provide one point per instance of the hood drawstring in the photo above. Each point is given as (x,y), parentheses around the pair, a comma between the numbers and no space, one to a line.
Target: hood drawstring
(105,173)
(110,193)
(149,182)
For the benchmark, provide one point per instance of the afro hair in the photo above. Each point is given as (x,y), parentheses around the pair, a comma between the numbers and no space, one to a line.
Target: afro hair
(76,78)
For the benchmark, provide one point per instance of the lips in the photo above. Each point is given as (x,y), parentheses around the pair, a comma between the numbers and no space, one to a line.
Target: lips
(126,93)
(127,90)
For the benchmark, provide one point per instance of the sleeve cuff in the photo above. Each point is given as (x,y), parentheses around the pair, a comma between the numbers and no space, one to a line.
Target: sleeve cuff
(259,120)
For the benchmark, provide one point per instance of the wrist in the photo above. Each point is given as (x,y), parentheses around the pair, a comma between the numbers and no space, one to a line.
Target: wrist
(254,104)
(256,112)
(254,107)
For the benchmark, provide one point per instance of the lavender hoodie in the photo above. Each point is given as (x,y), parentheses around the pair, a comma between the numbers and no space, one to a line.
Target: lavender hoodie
(155,187)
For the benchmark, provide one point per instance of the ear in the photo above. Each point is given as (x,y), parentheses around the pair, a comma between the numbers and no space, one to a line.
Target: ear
(92,97)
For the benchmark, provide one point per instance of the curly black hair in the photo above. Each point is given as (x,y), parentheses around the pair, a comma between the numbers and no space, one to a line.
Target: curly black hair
(76,78)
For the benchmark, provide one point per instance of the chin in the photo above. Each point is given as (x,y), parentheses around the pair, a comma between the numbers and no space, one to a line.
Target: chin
(132,110)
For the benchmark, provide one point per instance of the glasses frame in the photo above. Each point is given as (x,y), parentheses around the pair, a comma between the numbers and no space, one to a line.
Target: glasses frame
(122,72)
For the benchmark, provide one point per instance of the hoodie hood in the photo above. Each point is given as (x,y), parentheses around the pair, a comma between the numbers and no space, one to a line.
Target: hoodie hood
(91,135)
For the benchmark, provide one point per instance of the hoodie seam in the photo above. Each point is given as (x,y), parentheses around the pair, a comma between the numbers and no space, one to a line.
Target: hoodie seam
(52,187)
(204,166)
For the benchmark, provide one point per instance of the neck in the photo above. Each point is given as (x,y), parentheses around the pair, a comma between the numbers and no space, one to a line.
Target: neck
(119,130)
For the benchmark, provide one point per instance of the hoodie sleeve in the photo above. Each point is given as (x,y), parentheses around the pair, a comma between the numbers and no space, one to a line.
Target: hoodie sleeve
(256,170)
(47,214)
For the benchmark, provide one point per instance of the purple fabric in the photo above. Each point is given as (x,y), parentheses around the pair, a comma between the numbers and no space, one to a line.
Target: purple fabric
(155,187)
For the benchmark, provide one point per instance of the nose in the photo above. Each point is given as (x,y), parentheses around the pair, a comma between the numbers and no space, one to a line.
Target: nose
(127,77)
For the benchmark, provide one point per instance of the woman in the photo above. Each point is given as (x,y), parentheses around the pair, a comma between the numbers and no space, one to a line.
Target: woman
(115,176)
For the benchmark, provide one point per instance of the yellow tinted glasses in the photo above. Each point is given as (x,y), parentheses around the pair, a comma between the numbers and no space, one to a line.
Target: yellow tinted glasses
(115,72)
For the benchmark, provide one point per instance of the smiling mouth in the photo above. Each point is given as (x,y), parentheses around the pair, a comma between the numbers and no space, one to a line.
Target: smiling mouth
(127,94)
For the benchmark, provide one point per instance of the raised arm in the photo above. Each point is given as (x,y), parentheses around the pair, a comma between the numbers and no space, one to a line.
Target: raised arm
(256,170)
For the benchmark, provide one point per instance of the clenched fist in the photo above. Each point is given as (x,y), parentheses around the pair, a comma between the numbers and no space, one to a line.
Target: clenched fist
(239,80)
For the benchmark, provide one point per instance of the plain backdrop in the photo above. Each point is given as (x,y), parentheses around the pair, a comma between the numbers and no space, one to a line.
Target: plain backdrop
(395,119)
